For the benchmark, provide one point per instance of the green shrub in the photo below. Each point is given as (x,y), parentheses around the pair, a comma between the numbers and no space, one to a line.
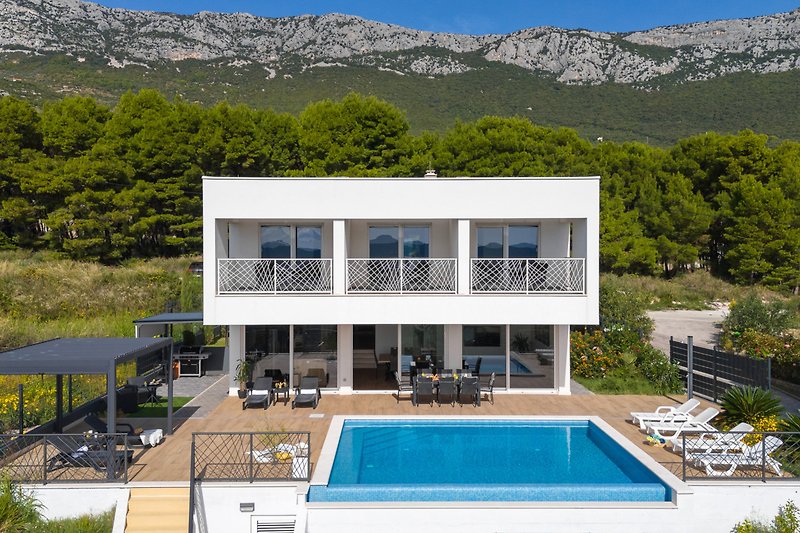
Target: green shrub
(102,523)
(786,521)
(590,355)
(749,404)
(623,313)
(657,369)
(18,509)
(751,312)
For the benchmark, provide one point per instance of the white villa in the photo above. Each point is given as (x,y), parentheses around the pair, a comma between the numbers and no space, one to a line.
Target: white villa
(351,279)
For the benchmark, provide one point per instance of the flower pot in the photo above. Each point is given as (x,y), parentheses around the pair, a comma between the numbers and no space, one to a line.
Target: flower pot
(242,394)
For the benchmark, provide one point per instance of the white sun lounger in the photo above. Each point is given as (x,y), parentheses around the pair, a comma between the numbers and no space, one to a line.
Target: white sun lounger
(670,431)
(747,456)
(665,413)
(720,442)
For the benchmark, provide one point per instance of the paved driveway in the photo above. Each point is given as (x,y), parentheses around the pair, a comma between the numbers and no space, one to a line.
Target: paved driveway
(704,326)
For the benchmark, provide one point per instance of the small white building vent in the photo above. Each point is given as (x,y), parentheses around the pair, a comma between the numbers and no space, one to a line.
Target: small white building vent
(272,524)
(430,173)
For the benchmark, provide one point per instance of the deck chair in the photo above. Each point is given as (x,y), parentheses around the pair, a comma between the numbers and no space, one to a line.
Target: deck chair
(489,388)
(76,451)
(469,391)
(402,386)
(307,393)
(97,425)
(260,394)
(671,431)
(708,442)
(747,457)
(423,389)
(665,413)
(447,390)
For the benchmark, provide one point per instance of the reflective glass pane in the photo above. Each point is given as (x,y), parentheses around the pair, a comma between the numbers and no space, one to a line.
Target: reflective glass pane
(315,352)
(416,241)
(276,242)
(267,347)
(484,352)
(309,242)
(532,354)
(383,241)
(423,347)
(490,242)
(523,241)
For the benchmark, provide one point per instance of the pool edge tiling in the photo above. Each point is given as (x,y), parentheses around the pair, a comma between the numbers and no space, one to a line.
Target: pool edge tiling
(661,486)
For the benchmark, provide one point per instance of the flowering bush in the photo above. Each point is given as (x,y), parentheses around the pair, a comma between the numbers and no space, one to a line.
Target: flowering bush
(655,366)
(591,357)
(783,350)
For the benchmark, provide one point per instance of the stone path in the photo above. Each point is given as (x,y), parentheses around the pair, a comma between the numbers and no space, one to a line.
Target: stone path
(207,393)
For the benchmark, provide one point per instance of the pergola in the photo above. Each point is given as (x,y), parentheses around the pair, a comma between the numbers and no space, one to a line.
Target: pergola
(161,324)
(69,356)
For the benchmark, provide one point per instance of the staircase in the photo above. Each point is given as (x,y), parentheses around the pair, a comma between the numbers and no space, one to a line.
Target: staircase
(163,509)
(364,359)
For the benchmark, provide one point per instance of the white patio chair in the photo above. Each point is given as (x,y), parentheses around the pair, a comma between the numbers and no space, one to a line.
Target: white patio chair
(724,440)
(665,413)
(747,456)
(670,431)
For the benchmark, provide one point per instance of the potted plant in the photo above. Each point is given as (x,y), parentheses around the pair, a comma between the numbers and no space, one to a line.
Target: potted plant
(243,376)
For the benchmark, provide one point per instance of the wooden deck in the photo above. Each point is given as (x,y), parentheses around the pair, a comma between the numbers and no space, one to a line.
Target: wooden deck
(170,460)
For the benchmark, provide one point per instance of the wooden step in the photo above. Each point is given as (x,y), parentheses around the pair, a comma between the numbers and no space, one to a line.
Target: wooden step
(152,509)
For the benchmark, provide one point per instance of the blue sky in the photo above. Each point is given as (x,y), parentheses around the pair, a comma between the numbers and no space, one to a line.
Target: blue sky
(490,16)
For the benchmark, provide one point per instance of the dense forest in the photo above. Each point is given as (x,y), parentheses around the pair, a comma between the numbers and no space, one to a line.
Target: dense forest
(102,184)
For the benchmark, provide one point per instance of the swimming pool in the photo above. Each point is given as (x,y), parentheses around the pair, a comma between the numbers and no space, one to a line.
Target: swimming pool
(497,364)
(481,459)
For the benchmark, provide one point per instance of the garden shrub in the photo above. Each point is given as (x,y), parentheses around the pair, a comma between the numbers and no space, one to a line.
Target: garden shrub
(751,312)
(655,366)
(18,509)
(786,521)
(623,314)
(749,404)
(591,357)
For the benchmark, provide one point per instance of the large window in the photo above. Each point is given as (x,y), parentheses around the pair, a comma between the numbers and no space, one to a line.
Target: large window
(496,242)
(277,242)
(315,354)
(385,241)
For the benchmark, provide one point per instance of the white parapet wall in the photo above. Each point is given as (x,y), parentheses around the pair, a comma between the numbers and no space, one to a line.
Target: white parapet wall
(72,500)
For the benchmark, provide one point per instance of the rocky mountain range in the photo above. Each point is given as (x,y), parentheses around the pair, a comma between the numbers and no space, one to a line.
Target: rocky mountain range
(283,47)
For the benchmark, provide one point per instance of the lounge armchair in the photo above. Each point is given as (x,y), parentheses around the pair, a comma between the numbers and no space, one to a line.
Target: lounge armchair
(403,386)
(307,393)
(469,391)
(447,390)
(746,456)
(671,431)
(260,394)
(489,388)
(665,413)
(79,452)
(98,426)
(423,388)
(707,442)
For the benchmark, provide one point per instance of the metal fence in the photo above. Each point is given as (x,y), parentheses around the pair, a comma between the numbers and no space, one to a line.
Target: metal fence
(48,458)
(529,276)
(401,275)
(753,455)
(274,276)
(714,371)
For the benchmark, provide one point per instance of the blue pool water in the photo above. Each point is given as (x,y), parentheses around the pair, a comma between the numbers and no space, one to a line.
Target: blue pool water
(496,363)
(484,460)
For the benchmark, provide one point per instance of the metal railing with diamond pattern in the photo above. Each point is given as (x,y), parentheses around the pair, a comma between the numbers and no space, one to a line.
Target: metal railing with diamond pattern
(529,276)
(401,275)
(274,276)
(63,457)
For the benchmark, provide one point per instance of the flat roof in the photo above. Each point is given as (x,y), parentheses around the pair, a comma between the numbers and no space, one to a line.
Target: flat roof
(171,318)
(77,355)
(403,178)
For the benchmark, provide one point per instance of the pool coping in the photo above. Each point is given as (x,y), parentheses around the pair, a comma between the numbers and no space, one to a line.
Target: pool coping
(322,472)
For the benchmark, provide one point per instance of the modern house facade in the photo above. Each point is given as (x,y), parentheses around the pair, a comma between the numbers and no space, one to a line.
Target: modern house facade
(351,279)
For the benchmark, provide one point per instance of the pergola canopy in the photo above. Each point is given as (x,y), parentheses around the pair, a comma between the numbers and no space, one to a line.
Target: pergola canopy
(76,355)
(172,318)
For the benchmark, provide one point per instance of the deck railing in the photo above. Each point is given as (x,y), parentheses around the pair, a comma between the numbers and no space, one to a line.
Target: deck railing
(274,276)
(401,275)
(50,458)
(767,456)
(529,276)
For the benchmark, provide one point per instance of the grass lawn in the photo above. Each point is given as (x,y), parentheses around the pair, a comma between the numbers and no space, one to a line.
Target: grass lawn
(159,410)
(619,381)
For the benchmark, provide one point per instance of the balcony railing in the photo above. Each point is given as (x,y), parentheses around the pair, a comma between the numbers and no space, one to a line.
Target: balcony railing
(529,276)
(274,276)
(401,275)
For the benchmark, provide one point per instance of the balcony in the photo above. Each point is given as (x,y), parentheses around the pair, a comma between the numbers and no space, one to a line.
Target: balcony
(274,276)
(528,276)
(401,275)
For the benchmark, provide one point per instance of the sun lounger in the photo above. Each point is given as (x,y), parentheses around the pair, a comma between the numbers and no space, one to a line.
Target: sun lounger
(706,442)
(747,457)
(261,394)
(670,431)
(307,393)
(665,413)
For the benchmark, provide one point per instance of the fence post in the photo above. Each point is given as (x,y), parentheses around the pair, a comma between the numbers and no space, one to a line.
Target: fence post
(670,348)
(689,366)
(714,373)
(683,455)
(21,408)
(251,458)
(69,394)
(769,373)
(44,462)
(191,487)
(763,457)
